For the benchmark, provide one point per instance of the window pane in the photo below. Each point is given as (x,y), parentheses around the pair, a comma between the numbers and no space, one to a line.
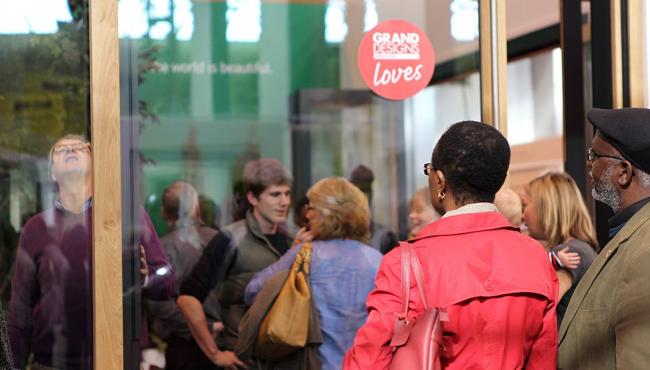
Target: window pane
(45,183)
(238,80)
(534,93)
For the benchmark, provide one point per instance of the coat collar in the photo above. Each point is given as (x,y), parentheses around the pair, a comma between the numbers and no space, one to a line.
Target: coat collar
(256,231)
(605,255)
(472,208)
(465,223)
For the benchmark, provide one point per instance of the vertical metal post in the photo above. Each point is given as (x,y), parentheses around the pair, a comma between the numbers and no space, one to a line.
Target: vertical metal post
(577,133)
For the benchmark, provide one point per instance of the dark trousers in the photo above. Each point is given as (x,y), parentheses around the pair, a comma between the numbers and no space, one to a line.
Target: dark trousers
(183,354)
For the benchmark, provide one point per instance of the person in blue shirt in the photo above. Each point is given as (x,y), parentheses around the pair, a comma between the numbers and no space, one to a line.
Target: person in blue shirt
(343,266)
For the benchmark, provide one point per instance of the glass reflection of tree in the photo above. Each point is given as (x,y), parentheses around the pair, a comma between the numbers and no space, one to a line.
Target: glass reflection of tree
(44,92)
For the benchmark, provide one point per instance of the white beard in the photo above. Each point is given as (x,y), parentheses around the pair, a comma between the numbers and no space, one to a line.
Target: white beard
(604,191)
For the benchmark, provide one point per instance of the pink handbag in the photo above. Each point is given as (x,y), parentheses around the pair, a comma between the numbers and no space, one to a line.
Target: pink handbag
(416,342)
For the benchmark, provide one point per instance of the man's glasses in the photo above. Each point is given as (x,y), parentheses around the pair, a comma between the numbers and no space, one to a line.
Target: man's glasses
(428,167)
(72,148)
(592,155)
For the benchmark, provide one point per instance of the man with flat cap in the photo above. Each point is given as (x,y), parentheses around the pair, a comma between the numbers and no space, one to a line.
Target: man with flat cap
(607,323)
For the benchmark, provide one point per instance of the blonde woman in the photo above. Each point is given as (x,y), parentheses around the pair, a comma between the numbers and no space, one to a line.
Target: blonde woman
(421,212)
(343,266)
(555,213)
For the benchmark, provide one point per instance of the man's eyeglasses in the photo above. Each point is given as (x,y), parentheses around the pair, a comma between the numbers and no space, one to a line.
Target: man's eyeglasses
(73,148)
(428,167)
(592,155)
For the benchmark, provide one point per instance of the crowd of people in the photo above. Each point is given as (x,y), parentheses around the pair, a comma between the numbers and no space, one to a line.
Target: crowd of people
(521,277)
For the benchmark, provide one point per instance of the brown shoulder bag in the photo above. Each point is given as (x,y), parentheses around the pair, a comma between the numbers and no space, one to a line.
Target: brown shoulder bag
(285,327)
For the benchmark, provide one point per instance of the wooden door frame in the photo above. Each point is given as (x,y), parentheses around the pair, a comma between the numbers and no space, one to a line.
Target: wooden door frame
(107,197)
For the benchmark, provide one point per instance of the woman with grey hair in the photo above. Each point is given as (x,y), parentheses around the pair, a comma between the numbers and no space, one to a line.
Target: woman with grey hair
(343,266)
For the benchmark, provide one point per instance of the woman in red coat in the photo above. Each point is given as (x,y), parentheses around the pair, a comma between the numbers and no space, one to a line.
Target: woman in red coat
(496,285)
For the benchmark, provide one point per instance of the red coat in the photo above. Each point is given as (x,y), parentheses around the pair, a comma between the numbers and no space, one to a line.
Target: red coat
(496,284)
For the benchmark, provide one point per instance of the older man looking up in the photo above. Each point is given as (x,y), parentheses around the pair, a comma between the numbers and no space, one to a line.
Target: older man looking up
(607,322)
(51,306)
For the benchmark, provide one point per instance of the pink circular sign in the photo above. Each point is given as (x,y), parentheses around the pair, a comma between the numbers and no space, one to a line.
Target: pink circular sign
(396,59)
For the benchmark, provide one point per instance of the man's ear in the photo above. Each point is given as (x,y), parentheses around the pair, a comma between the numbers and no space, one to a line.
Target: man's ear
(625,174)
(252,199)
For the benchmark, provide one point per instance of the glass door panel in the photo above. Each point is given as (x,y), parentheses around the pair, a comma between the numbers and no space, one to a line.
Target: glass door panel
(45,183)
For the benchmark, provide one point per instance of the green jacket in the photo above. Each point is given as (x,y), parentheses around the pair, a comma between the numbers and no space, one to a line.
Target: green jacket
(607,323)
(250,252)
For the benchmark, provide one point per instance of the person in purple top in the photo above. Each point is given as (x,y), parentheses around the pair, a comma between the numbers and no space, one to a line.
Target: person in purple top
(50,310)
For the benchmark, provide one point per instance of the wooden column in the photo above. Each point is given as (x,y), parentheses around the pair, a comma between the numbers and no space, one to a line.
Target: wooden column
(616,53)
(107,210)
(494,59)
(636,52)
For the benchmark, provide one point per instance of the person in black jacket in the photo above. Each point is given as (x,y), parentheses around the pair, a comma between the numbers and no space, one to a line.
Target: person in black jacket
(5,353)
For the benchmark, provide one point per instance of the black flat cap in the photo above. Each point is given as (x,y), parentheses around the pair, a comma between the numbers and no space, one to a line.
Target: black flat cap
(628,130)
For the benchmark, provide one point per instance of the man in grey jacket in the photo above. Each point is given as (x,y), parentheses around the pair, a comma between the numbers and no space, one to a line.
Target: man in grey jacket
(235,254)
(183,246)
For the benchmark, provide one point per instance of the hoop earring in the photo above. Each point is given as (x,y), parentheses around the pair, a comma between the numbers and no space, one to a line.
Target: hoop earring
(441,196)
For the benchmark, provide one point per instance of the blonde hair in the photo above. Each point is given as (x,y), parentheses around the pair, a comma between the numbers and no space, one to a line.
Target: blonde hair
(423,197)
(342,210)
(561,210)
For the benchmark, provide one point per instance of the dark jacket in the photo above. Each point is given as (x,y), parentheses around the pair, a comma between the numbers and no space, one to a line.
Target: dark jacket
(229,262)
(5,353)
(183,246)
(249,326)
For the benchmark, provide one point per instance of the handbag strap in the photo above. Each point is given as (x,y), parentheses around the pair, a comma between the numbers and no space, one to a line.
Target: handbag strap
(303,258)
(406,278)
(410,261)
(419,276)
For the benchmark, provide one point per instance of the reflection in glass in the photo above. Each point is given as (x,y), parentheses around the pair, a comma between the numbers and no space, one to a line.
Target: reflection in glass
(45,230)
(535,97)
(33,16)
(244,20)
(335,27)
(278,79)
(50,311)
(464,20)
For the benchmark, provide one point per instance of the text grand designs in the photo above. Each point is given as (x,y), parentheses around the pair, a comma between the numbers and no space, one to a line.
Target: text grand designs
(396,46)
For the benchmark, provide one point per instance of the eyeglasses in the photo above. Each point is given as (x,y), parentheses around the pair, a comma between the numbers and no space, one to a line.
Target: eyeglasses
(72,148)
(592,155)
(428,167)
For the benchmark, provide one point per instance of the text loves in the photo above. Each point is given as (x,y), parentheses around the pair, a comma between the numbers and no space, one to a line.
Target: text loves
(395,75)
